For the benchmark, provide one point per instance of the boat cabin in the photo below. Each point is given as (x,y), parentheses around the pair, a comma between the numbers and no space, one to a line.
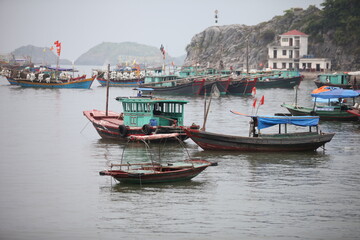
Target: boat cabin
(140,111)
(338,78)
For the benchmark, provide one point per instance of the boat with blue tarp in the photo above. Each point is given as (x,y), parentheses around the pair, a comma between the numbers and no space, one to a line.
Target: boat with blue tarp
(326,108)
(270,142)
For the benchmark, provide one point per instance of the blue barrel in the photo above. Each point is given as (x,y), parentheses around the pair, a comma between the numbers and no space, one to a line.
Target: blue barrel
(153,122)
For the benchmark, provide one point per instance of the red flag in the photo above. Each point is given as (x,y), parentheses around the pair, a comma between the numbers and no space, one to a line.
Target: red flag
(254,103)
(262,100)
(253,90)
(162,50)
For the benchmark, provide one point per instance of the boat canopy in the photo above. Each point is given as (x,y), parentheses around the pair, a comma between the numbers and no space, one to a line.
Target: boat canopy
(336,93)
(269,121)
(324,89)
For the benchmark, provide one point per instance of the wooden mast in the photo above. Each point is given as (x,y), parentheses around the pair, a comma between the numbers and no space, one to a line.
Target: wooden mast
(107,90)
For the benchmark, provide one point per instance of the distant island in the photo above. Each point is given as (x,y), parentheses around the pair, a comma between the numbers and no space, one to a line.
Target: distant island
(125,52)
(101,54)
(37,55)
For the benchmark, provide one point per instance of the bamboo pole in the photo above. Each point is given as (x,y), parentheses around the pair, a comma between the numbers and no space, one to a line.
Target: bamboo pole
(107,91)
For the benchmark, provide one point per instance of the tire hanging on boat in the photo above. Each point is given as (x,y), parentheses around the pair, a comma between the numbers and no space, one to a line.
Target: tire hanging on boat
(123,130)
(146,129)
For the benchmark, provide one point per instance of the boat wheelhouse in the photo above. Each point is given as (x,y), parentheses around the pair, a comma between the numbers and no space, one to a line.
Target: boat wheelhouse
(342,80)
(142,115)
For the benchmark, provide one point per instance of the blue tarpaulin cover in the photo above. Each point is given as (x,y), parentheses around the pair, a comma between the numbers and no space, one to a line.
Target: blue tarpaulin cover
(269,121)
(336,93)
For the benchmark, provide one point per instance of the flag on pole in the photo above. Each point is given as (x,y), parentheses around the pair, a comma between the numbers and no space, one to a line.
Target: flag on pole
(262,100)
(253,91)
(254,103)
(162,50)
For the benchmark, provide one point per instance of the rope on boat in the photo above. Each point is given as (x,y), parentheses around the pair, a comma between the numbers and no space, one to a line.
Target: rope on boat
(84,126)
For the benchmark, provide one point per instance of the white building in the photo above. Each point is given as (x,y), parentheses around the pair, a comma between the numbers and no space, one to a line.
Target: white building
(291,52)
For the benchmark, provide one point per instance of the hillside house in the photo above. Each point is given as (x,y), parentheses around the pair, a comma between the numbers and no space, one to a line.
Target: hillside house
(291,52)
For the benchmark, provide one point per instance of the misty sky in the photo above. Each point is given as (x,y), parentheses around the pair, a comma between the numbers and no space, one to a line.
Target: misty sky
(82,24)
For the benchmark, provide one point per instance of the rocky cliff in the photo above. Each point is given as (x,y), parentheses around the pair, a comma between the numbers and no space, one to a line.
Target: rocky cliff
(227,45)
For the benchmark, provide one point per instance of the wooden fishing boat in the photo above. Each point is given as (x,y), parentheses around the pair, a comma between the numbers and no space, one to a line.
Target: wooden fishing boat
(142,115)
(156,172)
(257,141)
(279,82)
(242,86)
(173,85)
(123,77)
(143,173)
(345,80)
(12,81)
(337,111)
(276,78)
(82,83)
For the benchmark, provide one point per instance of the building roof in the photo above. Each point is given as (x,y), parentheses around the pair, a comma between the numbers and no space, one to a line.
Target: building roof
(295,32)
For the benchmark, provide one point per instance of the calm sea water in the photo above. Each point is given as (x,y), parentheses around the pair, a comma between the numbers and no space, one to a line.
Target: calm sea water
(50,187)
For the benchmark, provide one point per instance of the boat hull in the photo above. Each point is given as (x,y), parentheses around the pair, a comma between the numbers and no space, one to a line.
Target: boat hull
(85,83)
(108,127)
(279,82)
(122,83)
(335,115)
(12,81)
(287,143)
(355,112)
(191,88)
(241,87)
(167,174)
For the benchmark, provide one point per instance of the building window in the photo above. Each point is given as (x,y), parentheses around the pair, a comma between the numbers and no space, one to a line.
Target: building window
(274,66)
(290,65)
(285,39)
(309,65)
(284,52)
(283,65)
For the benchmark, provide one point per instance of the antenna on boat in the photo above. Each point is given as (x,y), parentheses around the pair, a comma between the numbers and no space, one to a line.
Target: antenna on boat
(107,91)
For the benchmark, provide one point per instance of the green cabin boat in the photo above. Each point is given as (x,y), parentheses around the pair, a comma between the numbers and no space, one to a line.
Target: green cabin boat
(140,111)
(342,80)
(142,115)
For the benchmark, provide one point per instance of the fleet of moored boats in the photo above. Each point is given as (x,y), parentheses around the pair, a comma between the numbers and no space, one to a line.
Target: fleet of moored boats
(146,117)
